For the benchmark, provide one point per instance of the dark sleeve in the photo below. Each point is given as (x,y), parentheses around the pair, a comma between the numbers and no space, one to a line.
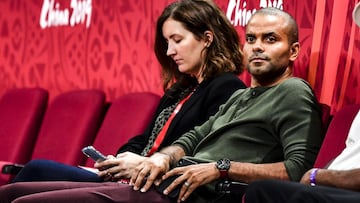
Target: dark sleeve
(211,97)
(219,92)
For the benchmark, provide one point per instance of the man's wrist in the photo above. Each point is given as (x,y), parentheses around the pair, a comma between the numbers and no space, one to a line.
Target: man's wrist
(312,177)
(223,165)
(174,153)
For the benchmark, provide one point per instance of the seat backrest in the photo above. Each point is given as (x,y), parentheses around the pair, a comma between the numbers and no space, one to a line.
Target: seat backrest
(334,141)
(126,117)
(326,115)
(21,114)
(70,123)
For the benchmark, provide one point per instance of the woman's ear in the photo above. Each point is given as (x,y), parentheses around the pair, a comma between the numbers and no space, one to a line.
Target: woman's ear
(209,36)
(294,51)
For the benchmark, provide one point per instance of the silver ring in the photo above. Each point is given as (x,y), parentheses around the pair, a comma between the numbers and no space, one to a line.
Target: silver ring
(186,184)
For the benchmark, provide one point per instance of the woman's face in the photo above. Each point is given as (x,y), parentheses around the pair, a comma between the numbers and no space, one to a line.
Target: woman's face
(184,48)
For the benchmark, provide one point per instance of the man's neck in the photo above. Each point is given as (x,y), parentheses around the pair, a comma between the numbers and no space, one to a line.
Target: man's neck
(269,83)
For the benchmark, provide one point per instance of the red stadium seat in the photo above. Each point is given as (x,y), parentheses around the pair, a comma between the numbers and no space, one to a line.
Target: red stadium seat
(70,123)
(126,117)
(21,114)
(326,115)
(336,135)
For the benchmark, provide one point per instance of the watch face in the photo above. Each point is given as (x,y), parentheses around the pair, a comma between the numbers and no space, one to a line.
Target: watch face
(223,164)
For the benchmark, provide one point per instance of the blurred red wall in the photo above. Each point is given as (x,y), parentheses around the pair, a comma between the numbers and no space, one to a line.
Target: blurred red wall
(63,45)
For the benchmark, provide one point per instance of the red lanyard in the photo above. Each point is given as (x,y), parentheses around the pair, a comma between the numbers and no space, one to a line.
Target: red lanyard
(163,131)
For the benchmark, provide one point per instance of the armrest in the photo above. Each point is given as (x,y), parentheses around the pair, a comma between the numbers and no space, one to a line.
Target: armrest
(233,187)
(10,168)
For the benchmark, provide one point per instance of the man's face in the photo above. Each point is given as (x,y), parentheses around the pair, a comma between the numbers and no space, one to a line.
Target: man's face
(266,49)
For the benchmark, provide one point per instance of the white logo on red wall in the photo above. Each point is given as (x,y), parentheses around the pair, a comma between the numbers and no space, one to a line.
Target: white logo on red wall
(238,13)
(78,13)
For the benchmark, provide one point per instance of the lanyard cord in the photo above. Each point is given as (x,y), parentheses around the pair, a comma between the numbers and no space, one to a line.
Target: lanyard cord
(163,131)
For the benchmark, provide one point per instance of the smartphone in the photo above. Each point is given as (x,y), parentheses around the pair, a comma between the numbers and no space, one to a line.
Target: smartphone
(94,154)
(12,169)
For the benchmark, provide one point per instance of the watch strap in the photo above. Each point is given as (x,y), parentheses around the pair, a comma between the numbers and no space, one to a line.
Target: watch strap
(224,174)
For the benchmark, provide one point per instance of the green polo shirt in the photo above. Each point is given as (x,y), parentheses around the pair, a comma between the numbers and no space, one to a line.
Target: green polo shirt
(262,125)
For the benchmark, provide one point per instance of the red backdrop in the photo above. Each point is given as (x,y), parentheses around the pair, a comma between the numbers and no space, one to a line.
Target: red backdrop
(63,45)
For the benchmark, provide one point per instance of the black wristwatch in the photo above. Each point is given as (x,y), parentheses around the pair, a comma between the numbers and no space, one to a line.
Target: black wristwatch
(223,165)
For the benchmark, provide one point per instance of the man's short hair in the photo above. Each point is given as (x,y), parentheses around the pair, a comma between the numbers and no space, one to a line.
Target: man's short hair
(293,30)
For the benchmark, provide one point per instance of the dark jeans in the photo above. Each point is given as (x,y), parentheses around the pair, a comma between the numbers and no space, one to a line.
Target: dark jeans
(46,170)
(271,191)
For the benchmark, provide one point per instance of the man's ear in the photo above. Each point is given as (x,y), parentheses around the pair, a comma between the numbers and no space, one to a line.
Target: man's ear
(294,51)
(209,36)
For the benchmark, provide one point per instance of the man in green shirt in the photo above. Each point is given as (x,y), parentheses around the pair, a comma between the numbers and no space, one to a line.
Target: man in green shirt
(271,130)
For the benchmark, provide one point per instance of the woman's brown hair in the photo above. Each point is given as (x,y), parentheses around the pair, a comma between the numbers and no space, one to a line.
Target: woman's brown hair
(198,16)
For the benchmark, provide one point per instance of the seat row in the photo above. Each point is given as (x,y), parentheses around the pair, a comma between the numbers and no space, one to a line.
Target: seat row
(32,127)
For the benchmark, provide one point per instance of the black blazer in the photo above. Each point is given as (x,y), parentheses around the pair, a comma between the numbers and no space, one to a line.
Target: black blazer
(202,104)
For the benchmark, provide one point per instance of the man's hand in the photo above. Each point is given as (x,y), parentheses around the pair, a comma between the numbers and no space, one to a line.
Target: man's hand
(151,169)
(120,167)
(191,177)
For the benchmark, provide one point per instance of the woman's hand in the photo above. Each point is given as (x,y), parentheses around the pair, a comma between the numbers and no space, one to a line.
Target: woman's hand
(191,177)
(120,167)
